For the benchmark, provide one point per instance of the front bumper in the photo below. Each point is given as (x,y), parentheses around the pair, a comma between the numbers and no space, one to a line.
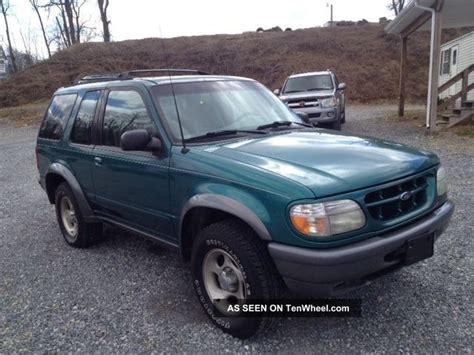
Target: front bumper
(318,114)
(331,272)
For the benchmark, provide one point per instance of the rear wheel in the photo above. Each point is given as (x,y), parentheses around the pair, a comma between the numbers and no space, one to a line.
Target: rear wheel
(75,230)
(230,263)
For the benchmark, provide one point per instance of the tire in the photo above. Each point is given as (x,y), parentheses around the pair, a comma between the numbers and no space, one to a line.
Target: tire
(257,277)
(75,230)
(336,125)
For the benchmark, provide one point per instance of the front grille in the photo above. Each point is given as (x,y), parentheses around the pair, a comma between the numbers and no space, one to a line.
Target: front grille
(303,103)
(398,199)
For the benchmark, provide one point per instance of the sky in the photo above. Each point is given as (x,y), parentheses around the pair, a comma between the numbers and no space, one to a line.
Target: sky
(137,19)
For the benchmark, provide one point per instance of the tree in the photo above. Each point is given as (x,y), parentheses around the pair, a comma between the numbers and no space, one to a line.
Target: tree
(36,6)
(4,7)
(103,5)
(396,6)
(70,28)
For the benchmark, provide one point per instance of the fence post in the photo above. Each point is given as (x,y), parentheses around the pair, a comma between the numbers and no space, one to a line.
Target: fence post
(403,77)
(465,77)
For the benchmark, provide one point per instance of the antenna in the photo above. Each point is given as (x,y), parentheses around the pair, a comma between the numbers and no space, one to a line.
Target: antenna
(184,150)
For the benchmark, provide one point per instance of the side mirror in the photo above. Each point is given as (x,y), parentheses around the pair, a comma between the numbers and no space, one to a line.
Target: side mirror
(139,139)
(303,115)
(341,86)
(276,92)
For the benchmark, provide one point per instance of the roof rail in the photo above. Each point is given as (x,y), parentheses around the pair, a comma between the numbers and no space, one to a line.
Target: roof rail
(95,78)
(135,73)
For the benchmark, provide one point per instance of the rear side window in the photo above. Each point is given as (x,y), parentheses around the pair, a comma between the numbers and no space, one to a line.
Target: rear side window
(56,117)
(125,111)
(81,131)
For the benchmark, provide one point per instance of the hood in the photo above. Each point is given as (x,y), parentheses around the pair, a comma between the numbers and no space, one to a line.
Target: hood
(329,163)
(306,95)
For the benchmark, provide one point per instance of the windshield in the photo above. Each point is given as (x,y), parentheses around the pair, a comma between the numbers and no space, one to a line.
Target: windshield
(309,83)
(219,105)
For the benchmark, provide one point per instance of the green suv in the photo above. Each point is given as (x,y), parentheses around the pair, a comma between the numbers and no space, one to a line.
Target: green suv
(218,168)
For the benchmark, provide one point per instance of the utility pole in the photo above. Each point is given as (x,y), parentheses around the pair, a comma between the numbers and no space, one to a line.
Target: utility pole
(331,18)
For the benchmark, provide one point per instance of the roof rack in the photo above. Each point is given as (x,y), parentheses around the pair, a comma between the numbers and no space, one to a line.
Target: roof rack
(95,78)
(135,73)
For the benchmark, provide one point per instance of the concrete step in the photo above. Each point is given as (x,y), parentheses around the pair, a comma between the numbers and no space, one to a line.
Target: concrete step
(447,116)
(460,110)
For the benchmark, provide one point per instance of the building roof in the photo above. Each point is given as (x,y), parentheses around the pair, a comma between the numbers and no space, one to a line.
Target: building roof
(458,39)
(455,13)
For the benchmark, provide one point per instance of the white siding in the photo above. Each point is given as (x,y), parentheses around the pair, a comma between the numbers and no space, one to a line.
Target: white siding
(464,59)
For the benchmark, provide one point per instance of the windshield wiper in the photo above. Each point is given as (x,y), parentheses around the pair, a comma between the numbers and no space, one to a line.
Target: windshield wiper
(277,124)
(318,89)
(225,132)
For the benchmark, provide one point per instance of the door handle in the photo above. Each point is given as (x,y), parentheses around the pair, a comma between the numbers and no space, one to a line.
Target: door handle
(98,161)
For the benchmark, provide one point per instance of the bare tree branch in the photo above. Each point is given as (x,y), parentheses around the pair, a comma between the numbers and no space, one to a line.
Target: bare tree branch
(35,5)
(396,6)
(4,7)
(103,6)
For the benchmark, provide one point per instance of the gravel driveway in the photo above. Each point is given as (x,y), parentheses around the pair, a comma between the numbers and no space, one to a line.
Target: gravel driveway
(128,295)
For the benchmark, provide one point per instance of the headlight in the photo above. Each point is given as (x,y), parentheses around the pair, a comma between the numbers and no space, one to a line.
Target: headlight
(441,181)
(328,102)
(327,218)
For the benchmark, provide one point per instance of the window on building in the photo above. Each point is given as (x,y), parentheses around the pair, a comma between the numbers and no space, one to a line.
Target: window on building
(56,117)
(125,111)
(81,131)
(445,61)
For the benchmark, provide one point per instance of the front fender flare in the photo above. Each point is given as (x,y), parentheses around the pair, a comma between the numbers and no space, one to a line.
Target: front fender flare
(228,205)
(66,174)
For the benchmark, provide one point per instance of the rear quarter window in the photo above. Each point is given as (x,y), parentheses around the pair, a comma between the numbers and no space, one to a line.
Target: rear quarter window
(56,117)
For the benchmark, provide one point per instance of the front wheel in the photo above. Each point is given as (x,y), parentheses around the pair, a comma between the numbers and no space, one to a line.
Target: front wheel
(230,265)
(336,125)
(75,230)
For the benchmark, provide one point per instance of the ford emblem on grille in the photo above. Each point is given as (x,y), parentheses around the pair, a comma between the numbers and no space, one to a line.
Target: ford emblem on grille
(406,195)
(302,104)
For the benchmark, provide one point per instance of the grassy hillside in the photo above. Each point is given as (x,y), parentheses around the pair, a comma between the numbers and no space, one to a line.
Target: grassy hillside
(364,57)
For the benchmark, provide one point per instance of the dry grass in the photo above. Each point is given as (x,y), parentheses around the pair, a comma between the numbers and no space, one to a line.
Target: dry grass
(464,131)
(364,57)
(418,117)
(26,115)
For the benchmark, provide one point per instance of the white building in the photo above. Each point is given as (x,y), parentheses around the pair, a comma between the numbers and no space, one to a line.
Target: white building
(434,15)
(456,55)
(3,64)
